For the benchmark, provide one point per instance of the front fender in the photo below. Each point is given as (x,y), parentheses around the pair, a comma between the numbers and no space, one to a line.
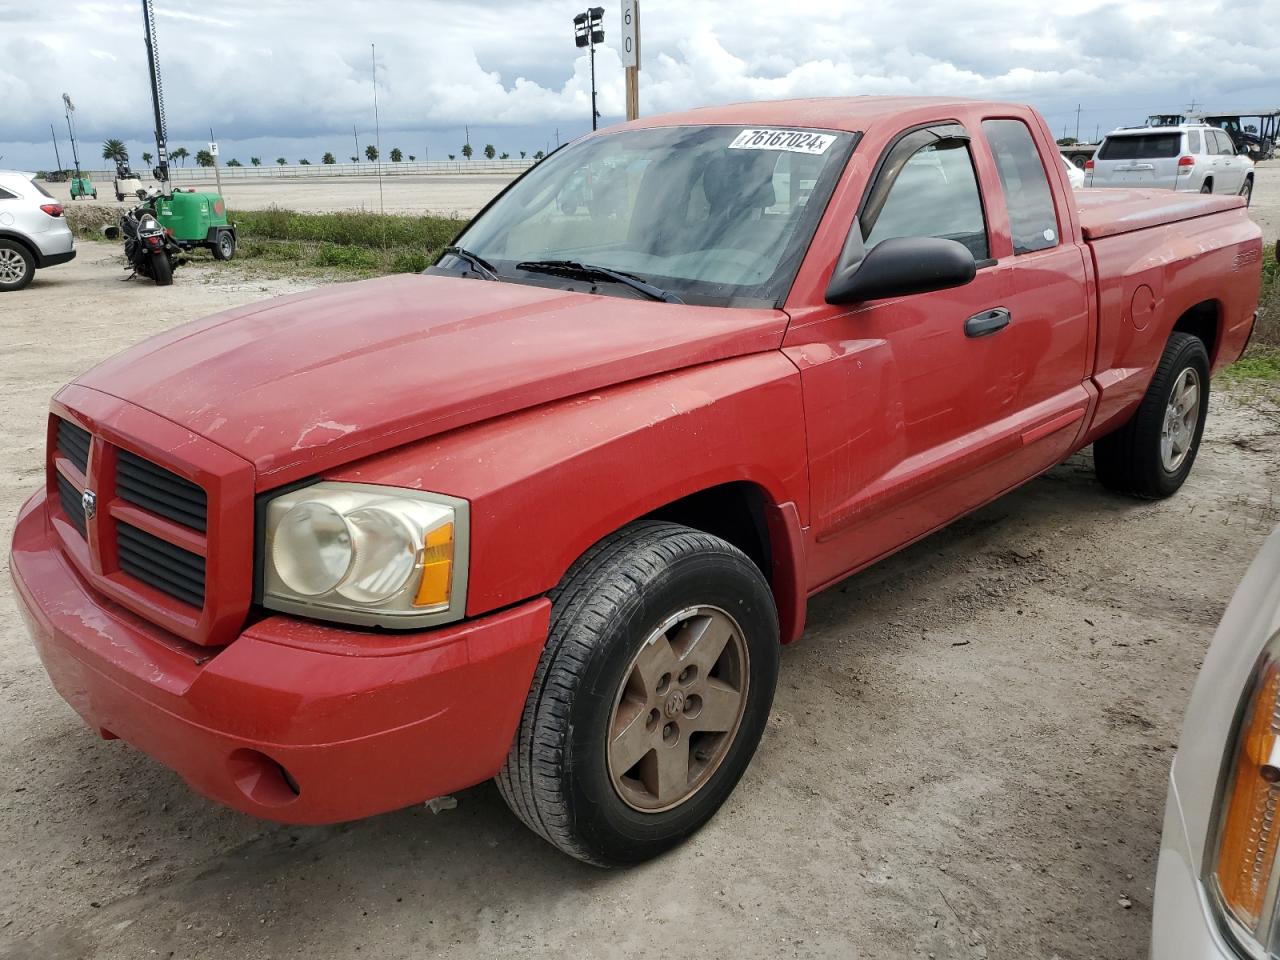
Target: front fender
(545,484)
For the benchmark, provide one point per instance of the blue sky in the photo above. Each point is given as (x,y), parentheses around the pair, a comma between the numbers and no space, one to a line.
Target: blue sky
(291,78)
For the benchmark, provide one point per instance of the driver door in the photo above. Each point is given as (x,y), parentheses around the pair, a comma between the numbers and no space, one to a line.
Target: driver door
(897,395)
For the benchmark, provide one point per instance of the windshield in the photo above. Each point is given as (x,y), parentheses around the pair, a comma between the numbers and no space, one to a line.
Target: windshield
(712,214)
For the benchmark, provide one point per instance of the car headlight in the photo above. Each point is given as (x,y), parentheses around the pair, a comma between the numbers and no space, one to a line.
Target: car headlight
(365,554)
(1243,866)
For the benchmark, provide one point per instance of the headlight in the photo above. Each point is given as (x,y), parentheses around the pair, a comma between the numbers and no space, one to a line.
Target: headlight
(1243,864)
(365,554)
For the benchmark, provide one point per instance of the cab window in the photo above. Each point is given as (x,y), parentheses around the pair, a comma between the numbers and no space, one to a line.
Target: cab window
(1033,222)
(935,194)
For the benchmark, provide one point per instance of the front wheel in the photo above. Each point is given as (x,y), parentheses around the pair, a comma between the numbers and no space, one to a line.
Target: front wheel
(17,266)
(1246,191)
(651,695)
(1151,455)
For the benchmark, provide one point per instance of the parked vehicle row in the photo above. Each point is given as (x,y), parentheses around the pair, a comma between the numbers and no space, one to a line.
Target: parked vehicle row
(33,230)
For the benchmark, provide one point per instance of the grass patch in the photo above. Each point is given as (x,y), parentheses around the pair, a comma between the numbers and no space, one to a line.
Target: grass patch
(351,244)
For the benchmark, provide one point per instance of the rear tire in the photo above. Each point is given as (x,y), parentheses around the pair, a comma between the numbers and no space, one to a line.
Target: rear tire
(161,269)
(1151,455)
(224,246)
(1246,190)
(17,266)
(650,697)
(1206,187)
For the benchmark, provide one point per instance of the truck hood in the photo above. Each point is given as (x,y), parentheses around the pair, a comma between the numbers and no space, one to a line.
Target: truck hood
(303,383)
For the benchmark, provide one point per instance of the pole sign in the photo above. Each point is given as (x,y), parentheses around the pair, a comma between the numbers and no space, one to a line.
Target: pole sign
(213,148)
(630,42)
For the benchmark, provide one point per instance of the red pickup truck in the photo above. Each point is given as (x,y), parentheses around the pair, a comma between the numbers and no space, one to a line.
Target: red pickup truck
(545,513)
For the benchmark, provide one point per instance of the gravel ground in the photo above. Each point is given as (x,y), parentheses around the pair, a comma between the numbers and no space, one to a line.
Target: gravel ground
(967,755)
(464,195)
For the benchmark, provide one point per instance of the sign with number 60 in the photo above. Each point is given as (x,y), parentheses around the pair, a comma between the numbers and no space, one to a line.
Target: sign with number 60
(630,42)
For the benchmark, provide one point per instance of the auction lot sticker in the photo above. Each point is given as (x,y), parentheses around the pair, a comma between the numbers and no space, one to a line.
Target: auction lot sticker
(793,141)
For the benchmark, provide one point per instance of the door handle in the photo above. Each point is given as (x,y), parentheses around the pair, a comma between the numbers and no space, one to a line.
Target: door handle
(986,323)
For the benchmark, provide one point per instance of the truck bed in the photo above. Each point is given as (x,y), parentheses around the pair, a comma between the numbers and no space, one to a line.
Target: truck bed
(1107,211)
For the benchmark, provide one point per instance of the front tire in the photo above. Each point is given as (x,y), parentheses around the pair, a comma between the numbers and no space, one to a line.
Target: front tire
(1151,455)
(650,697)
(1246,190)
(17,266)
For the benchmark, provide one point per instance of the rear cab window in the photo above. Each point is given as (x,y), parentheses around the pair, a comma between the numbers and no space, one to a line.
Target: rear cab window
(1140,146)
(1033,219)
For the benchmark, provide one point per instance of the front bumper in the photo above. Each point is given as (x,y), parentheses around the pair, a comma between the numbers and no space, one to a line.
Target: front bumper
(1182,923)
(293,721)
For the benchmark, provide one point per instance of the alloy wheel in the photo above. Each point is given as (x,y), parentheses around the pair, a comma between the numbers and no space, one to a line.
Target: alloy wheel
(1180,419)
(678,709)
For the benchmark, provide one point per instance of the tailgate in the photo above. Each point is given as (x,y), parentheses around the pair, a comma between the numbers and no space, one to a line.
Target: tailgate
(1105,212)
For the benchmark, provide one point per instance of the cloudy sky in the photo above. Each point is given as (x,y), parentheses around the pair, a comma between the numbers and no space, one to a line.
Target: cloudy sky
(292,77)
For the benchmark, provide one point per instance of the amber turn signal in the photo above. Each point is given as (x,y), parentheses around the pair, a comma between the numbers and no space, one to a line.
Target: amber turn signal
(1250,830)
(437,568)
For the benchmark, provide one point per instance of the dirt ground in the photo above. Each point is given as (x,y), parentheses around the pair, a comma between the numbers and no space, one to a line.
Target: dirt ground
(464,195)
(967,755)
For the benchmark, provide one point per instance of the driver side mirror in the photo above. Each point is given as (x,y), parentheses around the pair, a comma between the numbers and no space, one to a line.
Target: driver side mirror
(898,268)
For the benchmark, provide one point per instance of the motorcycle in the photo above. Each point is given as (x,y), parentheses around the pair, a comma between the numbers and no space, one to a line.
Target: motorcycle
(149,250)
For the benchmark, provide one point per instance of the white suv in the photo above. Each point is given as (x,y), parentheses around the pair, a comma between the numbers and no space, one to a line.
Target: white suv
(1194,157)
(33,231)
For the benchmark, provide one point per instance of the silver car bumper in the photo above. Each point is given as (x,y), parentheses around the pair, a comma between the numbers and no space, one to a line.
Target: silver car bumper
(55,242)
(1183,925)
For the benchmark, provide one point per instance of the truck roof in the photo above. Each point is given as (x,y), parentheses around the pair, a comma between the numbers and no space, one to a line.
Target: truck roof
(830,113)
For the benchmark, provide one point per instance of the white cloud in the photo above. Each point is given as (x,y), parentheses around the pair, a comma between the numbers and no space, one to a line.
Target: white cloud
(297,69)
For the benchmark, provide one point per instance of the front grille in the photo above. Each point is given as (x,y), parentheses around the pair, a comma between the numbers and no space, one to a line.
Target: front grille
(73,443)
(160,564)
(146,485)
(69,497)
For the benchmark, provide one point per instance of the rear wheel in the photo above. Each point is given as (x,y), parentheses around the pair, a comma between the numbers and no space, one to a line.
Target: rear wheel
(1246,190)
(1206,187)
(17,266)
(224,247)
(1152,454)
(650,697)
(161,269)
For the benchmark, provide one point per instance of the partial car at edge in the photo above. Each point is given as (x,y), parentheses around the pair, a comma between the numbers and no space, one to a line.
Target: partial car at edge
(1216,883)
(33,230)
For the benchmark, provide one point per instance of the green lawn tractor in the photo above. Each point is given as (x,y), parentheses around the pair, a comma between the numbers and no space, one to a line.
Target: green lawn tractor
(83,188)
(198,220)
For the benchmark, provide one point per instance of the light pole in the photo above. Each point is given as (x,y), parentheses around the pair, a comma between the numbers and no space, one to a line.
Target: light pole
(587,32)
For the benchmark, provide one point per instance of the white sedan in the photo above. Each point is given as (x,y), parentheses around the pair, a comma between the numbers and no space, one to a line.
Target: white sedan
(1216,882)
(1074,174)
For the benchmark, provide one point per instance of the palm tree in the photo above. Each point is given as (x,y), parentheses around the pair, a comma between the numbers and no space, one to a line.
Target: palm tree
(505,156)
(281,160)
(412,157)
(204,158)
(539,155)
(466,151)
(396,155)
(328,158)
(489,151)
(256,161)
(355,159)
(181,154)
(371,152)
(113,150)
(233,162)
(452,155)
(146,158)
(304,162)
(522,154)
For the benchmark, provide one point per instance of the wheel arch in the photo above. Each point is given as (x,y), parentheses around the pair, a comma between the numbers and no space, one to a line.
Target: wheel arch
(1204,321)
(23,242)
(744,514)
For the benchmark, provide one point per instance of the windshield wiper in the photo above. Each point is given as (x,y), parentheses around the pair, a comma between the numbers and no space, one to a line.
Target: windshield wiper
(477,263)
(587,271)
